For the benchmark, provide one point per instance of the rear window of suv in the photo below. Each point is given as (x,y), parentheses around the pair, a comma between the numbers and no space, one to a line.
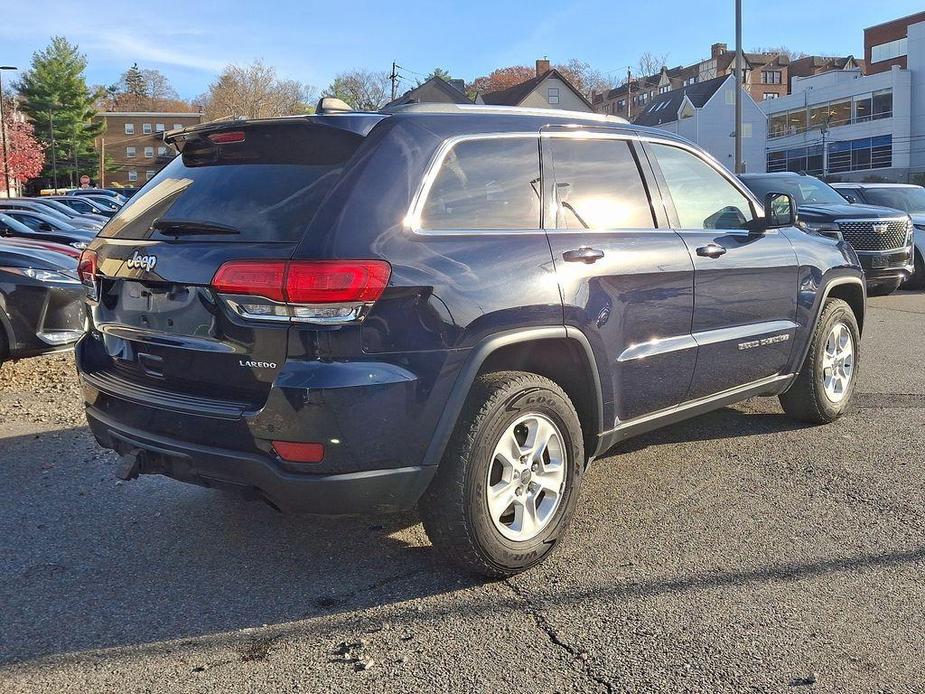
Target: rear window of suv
(490,183)
(266,187)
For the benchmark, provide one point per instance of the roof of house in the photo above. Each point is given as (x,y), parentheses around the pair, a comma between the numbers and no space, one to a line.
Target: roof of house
(435,90)
(664,107)
(514,96)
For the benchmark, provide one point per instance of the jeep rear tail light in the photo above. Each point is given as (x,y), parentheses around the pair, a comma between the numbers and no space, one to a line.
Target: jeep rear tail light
(86,271)
(308,291)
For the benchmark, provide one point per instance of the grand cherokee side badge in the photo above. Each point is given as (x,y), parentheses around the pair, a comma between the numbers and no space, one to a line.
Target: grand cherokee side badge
(141,262)
(764,341)
(247,363)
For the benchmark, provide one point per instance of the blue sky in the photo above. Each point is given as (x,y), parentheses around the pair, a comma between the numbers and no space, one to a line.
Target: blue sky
(311,41)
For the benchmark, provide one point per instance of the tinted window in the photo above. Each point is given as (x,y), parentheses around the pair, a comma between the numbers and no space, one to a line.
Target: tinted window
(702,197)
(910,200)
(486,184)
(598,186)
(265,188)
(803,189)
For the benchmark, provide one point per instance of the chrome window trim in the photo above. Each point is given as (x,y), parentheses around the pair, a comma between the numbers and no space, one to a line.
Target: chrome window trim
(412,220)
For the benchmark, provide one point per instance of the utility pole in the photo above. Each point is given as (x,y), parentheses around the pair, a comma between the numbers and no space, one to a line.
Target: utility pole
(6,157)
(739,83)
(102,160)
(825,150)
(394,78)
(629,93)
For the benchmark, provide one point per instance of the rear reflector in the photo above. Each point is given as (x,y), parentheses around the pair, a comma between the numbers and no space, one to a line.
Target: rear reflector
(293,452)
(227,137)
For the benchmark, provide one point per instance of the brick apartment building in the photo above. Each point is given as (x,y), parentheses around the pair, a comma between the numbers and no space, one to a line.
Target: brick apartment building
(133,144)
(886,45)
(766,76)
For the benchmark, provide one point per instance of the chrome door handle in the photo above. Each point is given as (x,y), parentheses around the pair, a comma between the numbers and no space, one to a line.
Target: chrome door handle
(711,250)
(583,255)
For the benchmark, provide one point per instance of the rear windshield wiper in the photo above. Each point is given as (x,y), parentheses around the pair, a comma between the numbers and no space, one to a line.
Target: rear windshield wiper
(182,227)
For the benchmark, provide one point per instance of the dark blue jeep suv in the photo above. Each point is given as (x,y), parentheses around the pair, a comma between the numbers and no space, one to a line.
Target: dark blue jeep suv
(450,306)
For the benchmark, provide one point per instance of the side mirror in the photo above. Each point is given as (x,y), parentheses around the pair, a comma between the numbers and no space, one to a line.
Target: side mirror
(779,211)
(849,197)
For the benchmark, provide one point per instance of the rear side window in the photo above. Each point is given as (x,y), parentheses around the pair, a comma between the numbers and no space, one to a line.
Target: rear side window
(598,185)
(264,188)
(703,198)
(486,184)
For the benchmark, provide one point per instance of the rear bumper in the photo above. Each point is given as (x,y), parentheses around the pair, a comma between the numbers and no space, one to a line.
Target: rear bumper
(259,476)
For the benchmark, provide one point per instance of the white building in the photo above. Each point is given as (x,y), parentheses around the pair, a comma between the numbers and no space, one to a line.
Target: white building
(704,112)
(853,127)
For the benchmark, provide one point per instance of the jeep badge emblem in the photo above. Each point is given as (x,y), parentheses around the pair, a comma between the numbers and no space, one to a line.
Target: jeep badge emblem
(141,262)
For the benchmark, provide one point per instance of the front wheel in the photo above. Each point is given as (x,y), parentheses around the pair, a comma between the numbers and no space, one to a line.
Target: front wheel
(822,390)
(508,483)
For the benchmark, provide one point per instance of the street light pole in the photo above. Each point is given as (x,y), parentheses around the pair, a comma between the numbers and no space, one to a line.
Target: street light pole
(6,157)
(738,94)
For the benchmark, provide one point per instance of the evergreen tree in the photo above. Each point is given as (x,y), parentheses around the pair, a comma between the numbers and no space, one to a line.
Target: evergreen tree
(55,97)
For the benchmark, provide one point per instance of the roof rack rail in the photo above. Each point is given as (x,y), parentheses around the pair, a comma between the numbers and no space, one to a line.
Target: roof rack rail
(505,110)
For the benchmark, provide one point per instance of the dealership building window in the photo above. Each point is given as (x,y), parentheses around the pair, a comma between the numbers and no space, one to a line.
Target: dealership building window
(130,152)
(149,152)
(849,155)
(129,128)
(146,128)
(859,109)
(889,50)
(132,175)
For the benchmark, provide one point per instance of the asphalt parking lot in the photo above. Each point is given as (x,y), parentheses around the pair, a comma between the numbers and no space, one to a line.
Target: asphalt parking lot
(735,552)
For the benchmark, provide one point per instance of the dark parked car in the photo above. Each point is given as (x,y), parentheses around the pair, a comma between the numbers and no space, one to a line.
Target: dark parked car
(41,301)
(905,197)
(881,236)
(37,226)
(456,307)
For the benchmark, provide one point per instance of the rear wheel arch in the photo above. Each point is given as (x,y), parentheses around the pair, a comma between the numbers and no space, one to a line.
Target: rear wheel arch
(554,352)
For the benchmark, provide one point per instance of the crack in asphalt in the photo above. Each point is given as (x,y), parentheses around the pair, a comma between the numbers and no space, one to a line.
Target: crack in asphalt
(542,623)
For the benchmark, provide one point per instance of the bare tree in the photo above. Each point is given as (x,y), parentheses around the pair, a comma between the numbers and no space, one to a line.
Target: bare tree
(142,90)
(255,91)
(650,64)
(363,90)
(583,77)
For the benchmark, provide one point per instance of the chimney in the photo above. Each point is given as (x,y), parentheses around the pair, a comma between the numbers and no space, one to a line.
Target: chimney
(542,67)
(717,49)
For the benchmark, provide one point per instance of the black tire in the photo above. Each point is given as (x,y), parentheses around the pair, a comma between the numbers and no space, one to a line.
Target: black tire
(883,289)
(917,281)
(455,510)
(806,399)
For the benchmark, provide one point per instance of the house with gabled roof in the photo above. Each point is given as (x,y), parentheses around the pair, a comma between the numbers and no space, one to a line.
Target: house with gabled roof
(548,89)
(704,112)
(436,90)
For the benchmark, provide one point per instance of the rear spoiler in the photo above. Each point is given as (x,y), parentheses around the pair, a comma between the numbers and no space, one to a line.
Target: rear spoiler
(360,123)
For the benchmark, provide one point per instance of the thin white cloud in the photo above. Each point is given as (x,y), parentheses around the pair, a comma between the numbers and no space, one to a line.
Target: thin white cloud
(133,49)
